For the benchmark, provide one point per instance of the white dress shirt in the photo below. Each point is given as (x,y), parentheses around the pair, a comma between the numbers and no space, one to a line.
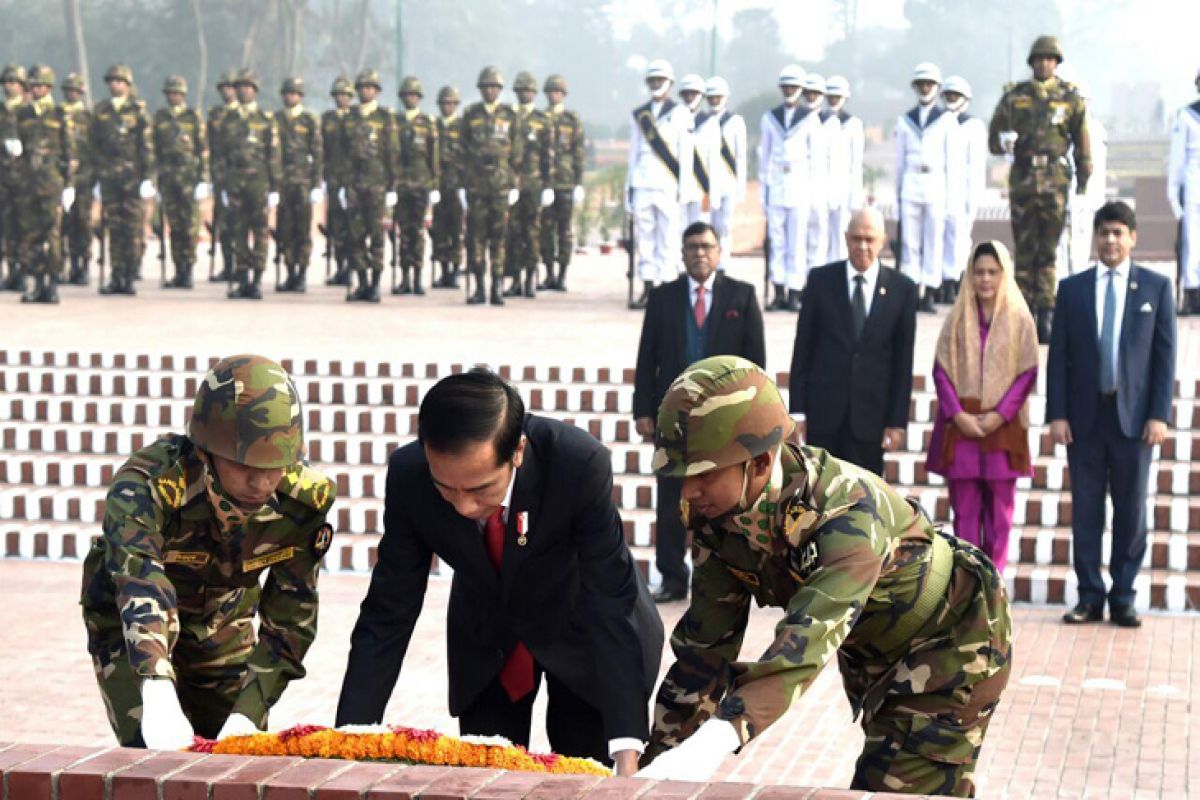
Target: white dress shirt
(708,289)
(1120,281)
(872,276)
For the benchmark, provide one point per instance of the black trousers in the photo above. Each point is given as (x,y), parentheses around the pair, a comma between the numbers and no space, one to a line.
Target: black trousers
(574,727)
(1107,462)
(670,537)
(843,444)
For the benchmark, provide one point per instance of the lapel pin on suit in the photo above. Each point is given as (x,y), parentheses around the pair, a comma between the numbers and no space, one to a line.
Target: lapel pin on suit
(1133,286)
(1146,308)
(732,314)
(882,291)
(522,528)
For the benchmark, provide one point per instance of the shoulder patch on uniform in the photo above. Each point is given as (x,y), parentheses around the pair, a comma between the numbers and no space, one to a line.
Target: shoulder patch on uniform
(323,540)
(308,486)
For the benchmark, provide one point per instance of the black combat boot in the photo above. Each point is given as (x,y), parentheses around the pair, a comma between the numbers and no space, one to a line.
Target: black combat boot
(950,290)
(530,281)
(79,271)
(50,291)
(560,280)
(341,275)
(183,277)
(1191,302)
(1045,324)
(405,287)
(926,305)
(370,293)
(454,270)
(114,284)
(299,282)
(33,292)
(780,301)
(240,289)
(417,287)
(514,286)
(498,292)
(548,284)
(478,297)
(16,279)
(644,298)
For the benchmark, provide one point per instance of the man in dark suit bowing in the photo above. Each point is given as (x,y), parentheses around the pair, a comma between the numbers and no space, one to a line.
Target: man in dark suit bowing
(700,314)
(1109,380)
(544,585)
(851,379)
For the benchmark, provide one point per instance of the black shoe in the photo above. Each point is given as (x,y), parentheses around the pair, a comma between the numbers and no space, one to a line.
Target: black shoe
(479,297)
(926,305)
(370,293)
(530,279)
(1084,613)
(450,280)
(1191,302)
(221,277)
(514,288)
(182,279)
(950,292)
(240,289)
(15,281)
(417,288)
(33,294)
(668,594)
(548,284)
(560,280)
(1045,324)
(405,287)
(299,280)
(497,298)
(642,300)
(780,301)
(1125,618)
(50,292)
(341,277)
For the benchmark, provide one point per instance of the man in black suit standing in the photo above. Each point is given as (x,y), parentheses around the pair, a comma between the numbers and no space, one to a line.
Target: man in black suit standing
(544,585)
(851,380)
(1109,381)
(699,314)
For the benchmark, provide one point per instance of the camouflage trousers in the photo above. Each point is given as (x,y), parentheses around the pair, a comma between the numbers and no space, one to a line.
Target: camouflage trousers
(78,222)
(366,210)
(246,215)
(224,228)
(40,223)
(182,213)
(1037,224)
(447,231)
(10,238)
(124,221)
(927,742)
(410,221)
(558,239)
(337,225)
(293,225)
(487,227)
(523,233)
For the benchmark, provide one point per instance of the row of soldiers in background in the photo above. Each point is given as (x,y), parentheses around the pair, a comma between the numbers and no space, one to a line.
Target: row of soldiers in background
(1183,193)
(374,167)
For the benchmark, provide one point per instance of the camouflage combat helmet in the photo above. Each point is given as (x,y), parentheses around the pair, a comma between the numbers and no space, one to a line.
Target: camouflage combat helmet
(525,82)
(119,72)
(489,76)
(341,85)
(72,82)
(555,83)
(720,411)
(411,85)
(13,72)
(447,94)
(368,77)
(41,75)
(175,83)
(246,77)
(292,84)
(228,78)
(1045,46)
(248,410)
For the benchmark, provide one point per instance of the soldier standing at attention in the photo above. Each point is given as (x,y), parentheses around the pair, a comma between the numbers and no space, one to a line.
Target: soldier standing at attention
(965,185)
(78,220)
(812,98)
(13,79)
(919,621)
(693,205)
(250,171)
(1036,122)
(122,144)
(417,182)
(1183,192)
(846,140)
(447,230)
(536,191)
(222,227)
(183,175)
(337,225)
(171,588)
(369,193)
(44,173)
(566,179)
(724,135)
(492,153)
(300,155)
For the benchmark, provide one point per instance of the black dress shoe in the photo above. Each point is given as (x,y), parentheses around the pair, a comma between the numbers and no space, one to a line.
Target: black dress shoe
(926,305)
(668,594)
(1125,618)
(1084,613)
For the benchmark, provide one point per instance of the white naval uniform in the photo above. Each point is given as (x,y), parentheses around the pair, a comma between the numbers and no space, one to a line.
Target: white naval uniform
(652,190)
(818,194)
(922,137)
(716,135)
(786,150)
(1183,188)
(691,192)
(845,184)
(1075,244)
(966,181)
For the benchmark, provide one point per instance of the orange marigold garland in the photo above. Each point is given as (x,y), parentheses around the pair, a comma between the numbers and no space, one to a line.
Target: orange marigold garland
(399,744)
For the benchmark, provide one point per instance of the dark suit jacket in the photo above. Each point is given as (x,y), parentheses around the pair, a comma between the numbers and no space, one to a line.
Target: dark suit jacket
(1145,354)
(835,378)
(572,594)
(734,327)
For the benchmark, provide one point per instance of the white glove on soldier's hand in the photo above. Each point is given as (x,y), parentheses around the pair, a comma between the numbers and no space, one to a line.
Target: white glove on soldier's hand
(14,147)
(316,195)
(96,192)
(146,189)
(272,199)
(577,194)
(164,727)
(68,197)
(698,757)
(1008,141)
(225,198)
(435,197)
(342,197)
(462,198)
(237,725)
(547,197)
(513,195)
(201,191)
(390,199)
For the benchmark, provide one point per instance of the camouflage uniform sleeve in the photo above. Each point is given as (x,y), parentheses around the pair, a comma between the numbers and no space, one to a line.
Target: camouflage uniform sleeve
(706,640)
(392,158)
(577,151)
(202,169)
(274,156)
(316,147)
(69,157)
(544,154)
(147,154)
(1000,122)
(1081,141)
(516,156)
(435,157)
(214,155)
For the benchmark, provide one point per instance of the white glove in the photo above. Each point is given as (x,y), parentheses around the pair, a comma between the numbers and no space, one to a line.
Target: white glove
(1008,141)
(237,725)
(224,198)
(146,189)
(1177,210)
(390,199)
(164,726)
(202,191)
(96,191)
(14,147)
(547,197)
(462,198)
(342,197)
(577,194)
(272,199)
(316,195)
(513,195)
(68,198)
(698,757)
(435,197)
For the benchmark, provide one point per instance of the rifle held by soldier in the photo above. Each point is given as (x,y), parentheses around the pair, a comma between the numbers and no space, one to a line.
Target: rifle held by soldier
(631,251)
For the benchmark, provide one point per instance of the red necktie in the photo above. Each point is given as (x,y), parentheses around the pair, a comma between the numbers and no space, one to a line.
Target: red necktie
(698,309)
(517,674)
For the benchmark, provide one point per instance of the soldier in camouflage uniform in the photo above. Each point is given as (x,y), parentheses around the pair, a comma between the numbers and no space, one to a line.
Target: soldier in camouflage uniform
(221,228)
(77,223)
(447,230)
(121,144)
(369,194)
(492,153)
(416,182)
(172,587)
(1036,123)
(182,155)
(337,224)
(250,174)
(536,194)
(566,178)
(44,174)
(918,620)
(13,79)
(300,149)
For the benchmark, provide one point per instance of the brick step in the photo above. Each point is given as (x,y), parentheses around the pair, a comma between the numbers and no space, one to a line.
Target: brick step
(1157,589)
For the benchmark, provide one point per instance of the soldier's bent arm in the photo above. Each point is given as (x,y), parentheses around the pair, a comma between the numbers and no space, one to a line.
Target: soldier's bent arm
(577,152)
(1082,142)
(316,149)
(202,169)
(999,124)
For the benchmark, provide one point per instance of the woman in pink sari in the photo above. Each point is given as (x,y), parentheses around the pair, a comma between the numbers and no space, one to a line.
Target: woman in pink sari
(985,368)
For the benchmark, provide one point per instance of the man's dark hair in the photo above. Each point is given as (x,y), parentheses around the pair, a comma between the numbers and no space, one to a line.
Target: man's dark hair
(1116,211)
(699,227)
(469,408)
